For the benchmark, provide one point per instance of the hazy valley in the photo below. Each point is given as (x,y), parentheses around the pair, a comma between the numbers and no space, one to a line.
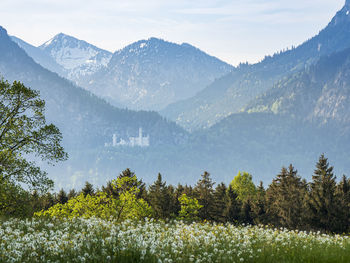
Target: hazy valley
(288,108)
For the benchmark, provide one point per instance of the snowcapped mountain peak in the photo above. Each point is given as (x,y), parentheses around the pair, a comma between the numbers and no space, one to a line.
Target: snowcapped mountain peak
(77,56)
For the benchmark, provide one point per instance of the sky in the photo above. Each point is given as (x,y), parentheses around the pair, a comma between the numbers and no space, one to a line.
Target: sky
(232,30)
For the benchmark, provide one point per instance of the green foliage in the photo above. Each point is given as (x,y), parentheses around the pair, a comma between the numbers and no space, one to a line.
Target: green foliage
(129,182)
(233,207)
(324,207)
(343,195)
(189,208)
(286,198)
(288,201)
(88,189)
(204,193)
(100,205)
(83,206)
(243,185)
(62,197)
(246,213)
(14,201)
(23,131)
(72,193)
(129,205)
(259,206)
(160,199)
(220,200)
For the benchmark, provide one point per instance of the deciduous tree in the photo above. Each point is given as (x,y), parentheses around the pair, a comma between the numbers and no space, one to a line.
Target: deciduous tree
(23,132)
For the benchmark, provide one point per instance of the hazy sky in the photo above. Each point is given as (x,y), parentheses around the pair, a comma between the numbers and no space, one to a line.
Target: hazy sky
(233,30)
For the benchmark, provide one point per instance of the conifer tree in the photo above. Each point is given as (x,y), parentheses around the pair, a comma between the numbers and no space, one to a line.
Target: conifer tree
(233,207)
(246,213)
(220,203)
(286,199)
(127,173)
(62,197)
(204,193)
(176,203)
(343,195)
(48,201)
(159,198)
(174,206)
(72,193)
(323,204)
(88,189)
(110,190)
(188,190)
(259,206)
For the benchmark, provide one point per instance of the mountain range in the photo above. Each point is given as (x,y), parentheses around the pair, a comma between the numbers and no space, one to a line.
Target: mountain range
(289,108)
(146,75)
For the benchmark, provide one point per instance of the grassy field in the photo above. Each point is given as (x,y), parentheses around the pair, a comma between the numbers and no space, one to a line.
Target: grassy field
(94,240)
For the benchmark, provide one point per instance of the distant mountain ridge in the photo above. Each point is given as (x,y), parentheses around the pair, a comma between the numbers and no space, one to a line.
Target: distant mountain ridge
(232,92)
(145,75)
(150,74)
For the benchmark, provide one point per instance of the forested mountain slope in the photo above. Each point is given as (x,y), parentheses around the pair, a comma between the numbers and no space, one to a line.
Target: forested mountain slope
(232,92)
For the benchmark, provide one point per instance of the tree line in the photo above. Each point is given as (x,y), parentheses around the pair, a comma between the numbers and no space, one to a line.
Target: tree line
(289,201)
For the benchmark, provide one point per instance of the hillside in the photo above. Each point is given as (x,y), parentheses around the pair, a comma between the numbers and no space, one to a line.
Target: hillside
(232,92)
(320,94)
(303,115)
(150,74)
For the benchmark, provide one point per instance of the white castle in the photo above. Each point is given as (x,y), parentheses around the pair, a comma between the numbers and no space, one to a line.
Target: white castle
(133,141)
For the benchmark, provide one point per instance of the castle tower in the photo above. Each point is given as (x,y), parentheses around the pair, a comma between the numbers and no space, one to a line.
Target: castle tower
(114,139)
(140,133)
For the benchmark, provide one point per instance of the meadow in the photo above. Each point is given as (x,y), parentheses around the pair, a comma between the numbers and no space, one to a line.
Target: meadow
(96,240)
